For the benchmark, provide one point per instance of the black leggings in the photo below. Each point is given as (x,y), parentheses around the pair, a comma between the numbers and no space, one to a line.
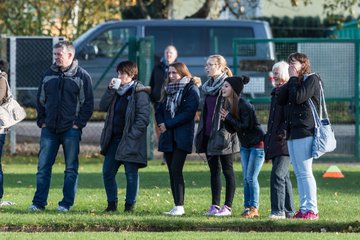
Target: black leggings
(226,162)
(175,161)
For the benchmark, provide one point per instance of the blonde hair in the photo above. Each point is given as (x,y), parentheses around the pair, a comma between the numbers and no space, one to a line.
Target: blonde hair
(223,64)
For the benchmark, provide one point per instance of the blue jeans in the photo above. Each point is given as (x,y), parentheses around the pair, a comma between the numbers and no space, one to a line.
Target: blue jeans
(49,146)
(280,186)
(109,171)
(2,141)
(301,159)
(252,160)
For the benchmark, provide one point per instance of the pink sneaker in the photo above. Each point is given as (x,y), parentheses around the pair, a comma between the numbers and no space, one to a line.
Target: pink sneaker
(298,214)
(310,215)
(224,211)
(214,209)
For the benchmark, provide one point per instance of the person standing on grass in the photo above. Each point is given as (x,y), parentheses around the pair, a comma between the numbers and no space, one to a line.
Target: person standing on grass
(214,140)
(64,105)
(239,115)
(281,196)
(4,67)
(123,139)
(300,127)
(175,118)
(158,77)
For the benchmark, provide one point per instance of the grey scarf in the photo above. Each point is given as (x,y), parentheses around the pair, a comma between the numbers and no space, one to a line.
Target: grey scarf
(213,86)
(123,89)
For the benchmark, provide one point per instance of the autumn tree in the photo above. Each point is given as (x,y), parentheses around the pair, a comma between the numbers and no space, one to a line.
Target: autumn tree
(67,18)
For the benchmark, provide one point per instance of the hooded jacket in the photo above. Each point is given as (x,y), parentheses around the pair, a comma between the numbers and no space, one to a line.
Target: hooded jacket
(65,98)
(132,147)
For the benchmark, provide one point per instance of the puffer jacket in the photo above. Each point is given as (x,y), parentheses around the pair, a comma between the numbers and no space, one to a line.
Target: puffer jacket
(295,94)
(132,147)
(221,141)
(65,98)
(246,126)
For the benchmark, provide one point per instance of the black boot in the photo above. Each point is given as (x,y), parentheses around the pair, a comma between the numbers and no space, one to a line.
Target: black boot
(129,207)
(112,206)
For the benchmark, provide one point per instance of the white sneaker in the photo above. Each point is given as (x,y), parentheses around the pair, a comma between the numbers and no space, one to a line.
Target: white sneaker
(6,203)
(176,211)
(277,216)
(62,209)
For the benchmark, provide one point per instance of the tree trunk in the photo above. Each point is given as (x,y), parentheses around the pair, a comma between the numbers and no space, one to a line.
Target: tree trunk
(204,11)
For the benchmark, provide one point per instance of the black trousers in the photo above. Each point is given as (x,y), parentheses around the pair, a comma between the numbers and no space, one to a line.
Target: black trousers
(216,164)
(175,162)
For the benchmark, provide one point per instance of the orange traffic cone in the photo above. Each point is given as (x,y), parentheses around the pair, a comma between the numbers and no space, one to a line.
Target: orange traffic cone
(333,172)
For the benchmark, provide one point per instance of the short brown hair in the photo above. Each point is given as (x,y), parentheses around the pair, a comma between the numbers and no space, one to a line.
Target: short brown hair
(68,45)
(128,67)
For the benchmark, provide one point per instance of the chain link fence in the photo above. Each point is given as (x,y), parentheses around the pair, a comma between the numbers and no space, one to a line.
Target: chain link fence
(29,58)
(337,62)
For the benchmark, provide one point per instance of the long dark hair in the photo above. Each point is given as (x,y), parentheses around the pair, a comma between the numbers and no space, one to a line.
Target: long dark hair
(232,102)
(182,70)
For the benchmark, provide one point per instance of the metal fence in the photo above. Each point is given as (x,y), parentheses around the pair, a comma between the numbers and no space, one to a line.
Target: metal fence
(337,62)
(29,58)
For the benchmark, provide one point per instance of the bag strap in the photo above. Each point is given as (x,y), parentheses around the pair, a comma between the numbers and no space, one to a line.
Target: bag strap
(314,113)
(323,108)
(322,103)
(8,92)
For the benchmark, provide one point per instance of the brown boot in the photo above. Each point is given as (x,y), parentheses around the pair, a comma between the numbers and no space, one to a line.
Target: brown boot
(253,213)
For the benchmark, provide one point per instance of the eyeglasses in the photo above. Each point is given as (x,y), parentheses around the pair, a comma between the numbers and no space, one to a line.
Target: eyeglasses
(210,64)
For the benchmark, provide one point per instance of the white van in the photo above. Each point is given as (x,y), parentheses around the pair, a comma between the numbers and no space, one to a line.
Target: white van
(195,40)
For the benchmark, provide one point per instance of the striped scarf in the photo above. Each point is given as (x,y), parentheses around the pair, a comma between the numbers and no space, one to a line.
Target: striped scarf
(174,93)
(213,86)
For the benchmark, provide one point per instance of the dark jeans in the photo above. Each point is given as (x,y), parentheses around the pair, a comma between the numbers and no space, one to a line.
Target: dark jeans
(49,146)
(110,169)
(2,141)
(280,186)
(216,163)
(175,162)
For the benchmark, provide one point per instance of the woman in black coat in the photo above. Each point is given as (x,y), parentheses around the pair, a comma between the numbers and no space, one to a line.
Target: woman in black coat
(281,196)
(175,118)
(300,129)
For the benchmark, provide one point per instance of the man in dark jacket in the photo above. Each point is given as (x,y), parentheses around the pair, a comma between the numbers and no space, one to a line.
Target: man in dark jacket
(64,105)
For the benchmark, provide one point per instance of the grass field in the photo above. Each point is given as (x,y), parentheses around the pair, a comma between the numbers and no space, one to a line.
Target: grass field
(338,201)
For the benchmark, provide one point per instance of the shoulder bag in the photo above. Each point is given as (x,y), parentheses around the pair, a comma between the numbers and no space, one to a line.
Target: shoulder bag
(324,137)
(10,111)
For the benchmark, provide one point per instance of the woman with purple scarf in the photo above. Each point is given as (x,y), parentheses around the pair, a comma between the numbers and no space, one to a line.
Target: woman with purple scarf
(175,119)
(213,139)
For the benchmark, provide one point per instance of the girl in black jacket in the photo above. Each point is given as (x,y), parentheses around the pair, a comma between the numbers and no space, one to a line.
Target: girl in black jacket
(243,120)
